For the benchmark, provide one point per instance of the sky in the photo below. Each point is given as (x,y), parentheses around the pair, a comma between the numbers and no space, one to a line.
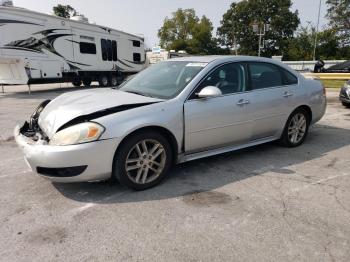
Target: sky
(146,17)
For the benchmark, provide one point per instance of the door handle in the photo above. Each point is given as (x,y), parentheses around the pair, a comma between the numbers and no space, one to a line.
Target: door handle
(243,102)
(287,94)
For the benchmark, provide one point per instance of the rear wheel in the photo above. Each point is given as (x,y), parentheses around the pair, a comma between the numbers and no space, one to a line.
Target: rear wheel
(296,129)
(142,161)
(77,83)
(104,81)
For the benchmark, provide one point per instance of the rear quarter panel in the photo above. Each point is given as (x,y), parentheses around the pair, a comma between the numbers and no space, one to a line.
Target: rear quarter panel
(311,93)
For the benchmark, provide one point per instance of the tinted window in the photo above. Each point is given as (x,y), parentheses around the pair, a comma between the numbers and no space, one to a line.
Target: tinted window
(228,78)
(109,50)
(136,43)
(115,51)
(104,49)
(137,57)
(289,78)
(87,48)
(264,75)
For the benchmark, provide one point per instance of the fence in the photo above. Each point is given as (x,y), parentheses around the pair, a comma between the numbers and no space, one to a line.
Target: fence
(309,65)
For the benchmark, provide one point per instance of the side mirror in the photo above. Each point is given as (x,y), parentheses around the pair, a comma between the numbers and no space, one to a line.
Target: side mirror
(209,91)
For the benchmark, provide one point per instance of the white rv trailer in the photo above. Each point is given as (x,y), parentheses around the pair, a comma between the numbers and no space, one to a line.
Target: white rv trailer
(40,48)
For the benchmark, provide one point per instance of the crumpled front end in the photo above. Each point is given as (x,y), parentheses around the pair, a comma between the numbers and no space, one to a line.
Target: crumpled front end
(65,164)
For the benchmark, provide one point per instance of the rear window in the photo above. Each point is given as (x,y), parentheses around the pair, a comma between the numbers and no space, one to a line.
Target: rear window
(265,75)
(289,78)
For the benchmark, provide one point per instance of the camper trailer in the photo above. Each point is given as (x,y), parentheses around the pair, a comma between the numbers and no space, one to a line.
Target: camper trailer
(39,48)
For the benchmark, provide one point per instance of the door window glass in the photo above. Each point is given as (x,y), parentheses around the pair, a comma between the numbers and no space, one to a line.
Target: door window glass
(229,78)
(264,75)
(289,78)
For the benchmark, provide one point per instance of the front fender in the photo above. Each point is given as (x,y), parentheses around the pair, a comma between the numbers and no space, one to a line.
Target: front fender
(168,115)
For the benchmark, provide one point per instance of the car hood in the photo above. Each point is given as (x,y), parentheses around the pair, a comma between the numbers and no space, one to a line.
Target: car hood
(73,105)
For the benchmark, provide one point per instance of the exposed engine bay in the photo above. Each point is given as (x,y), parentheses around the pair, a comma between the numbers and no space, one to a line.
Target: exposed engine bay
(32,129)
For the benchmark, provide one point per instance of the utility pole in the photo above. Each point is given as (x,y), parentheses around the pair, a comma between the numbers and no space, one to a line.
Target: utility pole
(317,28)
(235,44)
(260,30)
(234,38)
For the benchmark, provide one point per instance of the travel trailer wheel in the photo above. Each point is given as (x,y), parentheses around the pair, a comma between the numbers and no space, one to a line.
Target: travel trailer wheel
(114,80)
(77,83)
(104,81)
(87,82)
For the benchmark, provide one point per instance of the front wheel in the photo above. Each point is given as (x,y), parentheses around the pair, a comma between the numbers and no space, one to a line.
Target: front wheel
(142,161)
(296,129)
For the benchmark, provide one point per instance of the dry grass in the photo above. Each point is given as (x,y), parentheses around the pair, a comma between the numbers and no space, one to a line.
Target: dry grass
(333,83)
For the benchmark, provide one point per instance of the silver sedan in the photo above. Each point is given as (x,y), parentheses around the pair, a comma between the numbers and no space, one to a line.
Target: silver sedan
(175,111)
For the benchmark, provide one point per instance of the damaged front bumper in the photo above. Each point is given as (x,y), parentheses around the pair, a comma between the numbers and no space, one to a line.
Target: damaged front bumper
(64,164)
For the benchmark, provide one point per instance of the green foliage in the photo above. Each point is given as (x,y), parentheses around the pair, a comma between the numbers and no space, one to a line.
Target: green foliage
(339,19)
(185,31)
(301,46)
(237,23)
(65,11)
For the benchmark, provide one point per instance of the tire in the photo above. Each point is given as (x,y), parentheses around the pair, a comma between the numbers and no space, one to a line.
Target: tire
(104,81)
(87,82)
(140,162)
(345,104)
(293,136)
(114,80)
(77,83)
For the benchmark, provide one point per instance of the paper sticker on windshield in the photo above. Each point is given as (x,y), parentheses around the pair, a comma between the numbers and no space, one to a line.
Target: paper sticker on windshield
(197,64)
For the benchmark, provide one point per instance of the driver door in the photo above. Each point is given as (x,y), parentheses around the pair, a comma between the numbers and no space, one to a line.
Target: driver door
(218,121)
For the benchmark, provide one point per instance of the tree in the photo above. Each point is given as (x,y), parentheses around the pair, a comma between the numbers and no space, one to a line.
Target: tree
(339,19)
(237,24)
(185,31)
(65,11)
(301,46)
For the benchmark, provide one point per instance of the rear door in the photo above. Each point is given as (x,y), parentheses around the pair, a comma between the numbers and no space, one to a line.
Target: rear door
(270,100)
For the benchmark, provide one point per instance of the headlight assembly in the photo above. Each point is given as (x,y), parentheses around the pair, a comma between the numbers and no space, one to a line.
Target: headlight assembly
(78,134)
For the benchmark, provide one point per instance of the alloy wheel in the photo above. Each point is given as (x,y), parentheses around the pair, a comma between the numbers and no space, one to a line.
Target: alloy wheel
(145,161)
(297,128)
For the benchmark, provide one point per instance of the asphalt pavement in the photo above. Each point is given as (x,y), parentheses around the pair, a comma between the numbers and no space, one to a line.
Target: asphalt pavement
(266,203)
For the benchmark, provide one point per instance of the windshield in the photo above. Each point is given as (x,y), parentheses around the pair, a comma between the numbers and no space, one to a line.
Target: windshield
(164,80)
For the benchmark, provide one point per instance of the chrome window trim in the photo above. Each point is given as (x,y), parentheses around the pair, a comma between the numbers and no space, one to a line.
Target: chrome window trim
(211,71)
(243,92)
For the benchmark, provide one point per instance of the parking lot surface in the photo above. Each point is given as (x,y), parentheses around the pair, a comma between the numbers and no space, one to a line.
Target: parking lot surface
(265,203)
